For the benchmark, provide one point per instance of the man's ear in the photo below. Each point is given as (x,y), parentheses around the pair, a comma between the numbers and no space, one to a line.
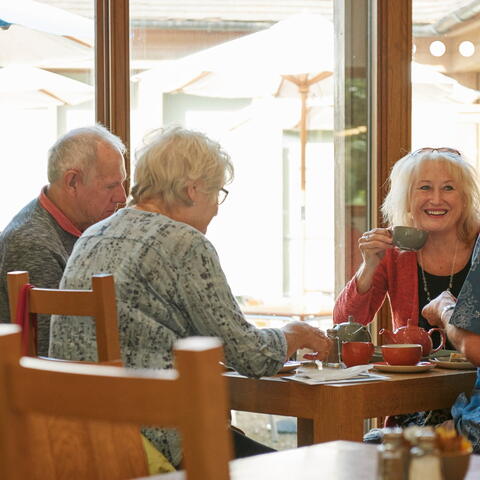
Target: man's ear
(71,179)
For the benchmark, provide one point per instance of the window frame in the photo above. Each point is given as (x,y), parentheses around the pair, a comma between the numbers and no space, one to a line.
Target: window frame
(112,70)
(391,34)
(392,97)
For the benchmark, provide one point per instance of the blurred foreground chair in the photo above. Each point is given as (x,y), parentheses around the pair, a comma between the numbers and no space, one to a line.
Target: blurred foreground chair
(99,302)
(61,420)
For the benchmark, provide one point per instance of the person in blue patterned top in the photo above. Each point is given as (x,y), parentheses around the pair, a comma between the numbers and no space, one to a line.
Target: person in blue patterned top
(168,278)
(461,320)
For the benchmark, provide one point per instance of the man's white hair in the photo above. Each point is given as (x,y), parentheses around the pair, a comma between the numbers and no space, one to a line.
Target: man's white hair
(77,149)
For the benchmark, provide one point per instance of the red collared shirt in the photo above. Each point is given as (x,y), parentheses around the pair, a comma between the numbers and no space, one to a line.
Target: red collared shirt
(57,214)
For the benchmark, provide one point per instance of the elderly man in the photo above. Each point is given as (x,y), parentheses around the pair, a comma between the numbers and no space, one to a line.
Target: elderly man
(461,320)
(86,173)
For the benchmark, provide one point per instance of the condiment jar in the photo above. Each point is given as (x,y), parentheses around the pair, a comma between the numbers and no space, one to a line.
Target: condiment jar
(392,456)
(425,459)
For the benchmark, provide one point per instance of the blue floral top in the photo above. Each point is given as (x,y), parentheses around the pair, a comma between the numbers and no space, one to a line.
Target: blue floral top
(169,285)
(466,410)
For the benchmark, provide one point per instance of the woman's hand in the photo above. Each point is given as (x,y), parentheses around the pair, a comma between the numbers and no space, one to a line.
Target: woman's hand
(372,245)
(436,312)
(302,335)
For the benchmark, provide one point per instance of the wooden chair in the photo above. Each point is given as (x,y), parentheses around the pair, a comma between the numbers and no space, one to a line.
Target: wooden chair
(37,442)
(99,302)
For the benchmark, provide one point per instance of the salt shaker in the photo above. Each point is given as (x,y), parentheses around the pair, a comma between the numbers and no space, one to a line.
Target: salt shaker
(425,458)
(392,456)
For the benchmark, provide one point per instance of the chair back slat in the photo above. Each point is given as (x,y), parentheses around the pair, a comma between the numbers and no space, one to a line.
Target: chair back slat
(61,420)
(15,280)
(99,303)
(108,339)
(73,394)
(62,302)
(201,376)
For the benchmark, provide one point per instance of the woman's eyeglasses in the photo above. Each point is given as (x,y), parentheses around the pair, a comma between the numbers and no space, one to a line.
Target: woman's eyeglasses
(440,149)
(222,195)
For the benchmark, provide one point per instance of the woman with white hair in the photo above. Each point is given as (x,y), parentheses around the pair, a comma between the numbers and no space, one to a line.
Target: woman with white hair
(433,189)
(168,278)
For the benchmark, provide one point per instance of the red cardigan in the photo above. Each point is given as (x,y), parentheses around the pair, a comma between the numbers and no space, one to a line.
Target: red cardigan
(395,276)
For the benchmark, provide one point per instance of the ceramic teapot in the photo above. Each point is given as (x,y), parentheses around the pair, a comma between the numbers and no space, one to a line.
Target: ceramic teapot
(350,331)
(412,333)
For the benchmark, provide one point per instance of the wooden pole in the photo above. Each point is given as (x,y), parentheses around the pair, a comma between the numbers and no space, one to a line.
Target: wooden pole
(303,89)
(303,84)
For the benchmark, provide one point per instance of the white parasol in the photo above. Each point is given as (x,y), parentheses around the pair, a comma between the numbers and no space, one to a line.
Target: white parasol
(22,86)
(289,59)
(38,34)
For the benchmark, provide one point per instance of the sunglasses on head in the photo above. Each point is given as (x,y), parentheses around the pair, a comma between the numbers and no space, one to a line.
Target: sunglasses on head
(440,149)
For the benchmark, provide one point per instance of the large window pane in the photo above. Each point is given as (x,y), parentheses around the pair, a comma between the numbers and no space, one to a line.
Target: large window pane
(276,232)
(46,88)
(352,135)
(445,79)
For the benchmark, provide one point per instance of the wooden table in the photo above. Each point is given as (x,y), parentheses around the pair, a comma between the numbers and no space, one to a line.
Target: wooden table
(332,461)
(336,412)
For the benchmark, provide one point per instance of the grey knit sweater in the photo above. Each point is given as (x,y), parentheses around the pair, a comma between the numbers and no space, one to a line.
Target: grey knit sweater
(33,241)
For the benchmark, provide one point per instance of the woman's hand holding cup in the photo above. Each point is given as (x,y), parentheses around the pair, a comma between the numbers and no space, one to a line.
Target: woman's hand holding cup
(373,244)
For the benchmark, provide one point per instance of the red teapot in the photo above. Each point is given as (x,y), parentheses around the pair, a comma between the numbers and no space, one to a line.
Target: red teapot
(414,334)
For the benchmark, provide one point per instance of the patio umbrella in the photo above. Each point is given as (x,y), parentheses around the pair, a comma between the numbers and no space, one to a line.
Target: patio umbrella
(22,86)
(291,58)
(431,85)
(38,34)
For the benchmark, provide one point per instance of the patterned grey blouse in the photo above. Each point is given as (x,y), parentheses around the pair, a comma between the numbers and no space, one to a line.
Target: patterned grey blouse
(169,285)
(466,409)
(467,311)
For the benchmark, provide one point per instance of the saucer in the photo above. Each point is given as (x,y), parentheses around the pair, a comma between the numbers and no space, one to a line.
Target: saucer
(419,367)
(289,366)
(453,365)
(294,364)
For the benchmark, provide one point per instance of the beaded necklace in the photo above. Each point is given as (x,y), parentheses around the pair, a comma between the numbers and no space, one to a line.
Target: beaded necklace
(450,283)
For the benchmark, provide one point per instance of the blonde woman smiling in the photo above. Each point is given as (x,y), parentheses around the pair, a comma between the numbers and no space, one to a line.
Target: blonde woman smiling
(434,189)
